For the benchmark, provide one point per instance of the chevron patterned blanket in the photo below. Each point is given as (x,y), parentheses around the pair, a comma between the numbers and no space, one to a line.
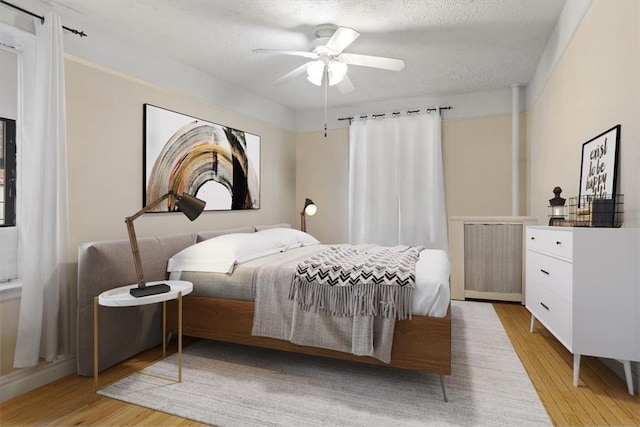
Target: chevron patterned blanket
(361,280)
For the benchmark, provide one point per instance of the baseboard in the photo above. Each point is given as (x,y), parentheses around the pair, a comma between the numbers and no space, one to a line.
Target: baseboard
(24,380)
(617,367)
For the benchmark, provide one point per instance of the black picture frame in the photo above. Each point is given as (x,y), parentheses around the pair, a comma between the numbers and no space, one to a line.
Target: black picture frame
(599,167)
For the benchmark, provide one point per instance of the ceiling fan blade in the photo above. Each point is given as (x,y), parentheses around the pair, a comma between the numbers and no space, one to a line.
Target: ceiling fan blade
(291,74)
(346,85)
(342,38)
(311,55)
(392,64)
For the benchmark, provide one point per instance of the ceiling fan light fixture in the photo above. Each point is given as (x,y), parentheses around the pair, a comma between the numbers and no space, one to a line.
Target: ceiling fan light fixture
(337,71)
(328,58)
(316,80)
(315,71)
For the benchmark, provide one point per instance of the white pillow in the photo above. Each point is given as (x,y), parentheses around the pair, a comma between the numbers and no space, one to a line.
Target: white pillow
(289,238)
(220,254)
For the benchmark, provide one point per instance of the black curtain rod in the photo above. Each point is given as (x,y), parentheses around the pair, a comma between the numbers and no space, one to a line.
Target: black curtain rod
(395,114)
(41,18)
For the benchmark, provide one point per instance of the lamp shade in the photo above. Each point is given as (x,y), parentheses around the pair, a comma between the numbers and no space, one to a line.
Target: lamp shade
(189,205)
(309,207)
(315,72)
(337,71)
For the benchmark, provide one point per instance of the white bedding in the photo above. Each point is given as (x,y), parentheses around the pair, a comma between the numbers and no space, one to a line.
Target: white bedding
(431,296)
(223,254)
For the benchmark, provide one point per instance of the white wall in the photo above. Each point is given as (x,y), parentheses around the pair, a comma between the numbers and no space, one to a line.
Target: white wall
(8,83)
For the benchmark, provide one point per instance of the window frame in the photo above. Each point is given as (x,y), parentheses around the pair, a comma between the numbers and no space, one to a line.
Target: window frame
(8,163)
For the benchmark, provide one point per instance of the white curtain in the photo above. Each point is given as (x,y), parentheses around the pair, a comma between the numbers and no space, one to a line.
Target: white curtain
(396,183)
(43,211)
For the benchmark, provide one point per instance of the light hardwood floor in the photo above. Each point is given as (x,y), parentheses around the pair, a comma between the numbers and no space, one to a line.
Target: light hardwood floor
(601,398)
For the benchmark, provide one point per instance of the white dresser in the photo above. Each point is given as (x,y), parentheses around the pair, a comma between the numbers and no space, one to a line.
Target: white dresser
(583,285)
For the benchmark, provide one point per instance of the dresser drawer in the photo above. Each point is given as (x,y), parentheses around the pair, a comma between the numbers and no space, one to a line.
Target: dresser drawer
(553,312)
(554,242)
(552,274)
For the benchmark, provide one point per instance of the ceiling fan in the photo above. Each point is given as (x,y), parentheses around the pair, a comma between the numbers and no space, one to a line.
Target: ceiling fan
(328,63)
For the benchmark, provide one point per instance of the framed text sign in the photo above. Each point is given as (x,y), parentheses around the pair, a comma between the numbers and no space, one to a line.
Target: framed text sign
(214,163)
(599,166)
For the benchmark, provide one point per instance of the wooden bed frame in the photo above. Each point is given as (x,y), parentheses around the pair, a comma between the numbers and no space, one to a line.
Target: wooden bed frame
(420,344)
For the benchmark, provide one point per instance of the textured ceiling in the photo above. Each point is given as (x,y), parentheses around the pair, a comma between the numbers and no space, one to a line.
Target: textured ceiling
(449,46)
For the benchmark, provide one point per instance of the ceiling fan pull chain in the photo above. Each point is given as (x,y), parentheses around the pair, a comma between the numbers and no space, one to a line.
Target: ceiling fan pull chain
(326,86)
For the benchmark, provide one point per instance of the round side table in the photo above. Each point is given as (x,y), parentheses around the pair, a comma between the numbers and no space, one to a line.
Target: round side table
(120,297)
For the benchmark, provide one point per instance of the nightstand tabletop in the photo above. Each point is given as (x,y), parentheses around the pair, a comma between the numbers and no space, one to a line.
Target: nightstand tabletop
(120,297)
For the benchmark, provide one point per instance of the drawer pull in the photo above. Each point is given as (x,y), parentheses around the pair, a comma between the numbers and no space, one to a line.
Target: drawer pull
(558,243)
(542,304)
(533,238)
(545,272)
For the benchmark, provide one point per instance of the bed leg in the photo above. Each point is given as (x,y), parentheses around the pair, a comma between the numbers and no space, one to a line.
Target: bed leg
(444,389)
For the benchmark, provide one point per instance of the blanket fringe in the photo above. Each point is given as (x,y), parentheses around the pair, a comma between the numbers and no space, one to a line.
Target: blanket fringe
(357,300)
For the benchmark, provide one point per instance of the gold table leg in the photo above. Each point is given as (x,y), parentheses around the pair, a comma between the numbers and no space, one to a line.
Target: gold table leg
(180,336)
(95,343)
(164,341)
(164,329)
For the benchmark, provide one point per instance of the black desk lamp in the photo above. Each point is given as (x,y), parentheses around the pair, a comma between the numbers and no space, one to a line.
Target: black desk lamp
(309,209)
(191,206)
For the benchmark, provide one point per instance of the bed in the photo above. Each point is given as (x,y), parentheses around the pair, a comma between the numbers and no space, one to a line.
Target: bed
(421,343)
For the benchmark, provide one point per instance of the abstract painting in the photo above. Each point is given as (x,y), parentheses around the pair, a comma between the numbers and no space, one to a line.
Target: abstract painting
(215,163)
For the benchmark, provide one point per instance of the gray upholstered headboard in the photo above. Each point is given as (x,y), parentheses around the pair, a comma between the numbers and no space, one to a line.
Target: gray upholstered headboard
(126,331)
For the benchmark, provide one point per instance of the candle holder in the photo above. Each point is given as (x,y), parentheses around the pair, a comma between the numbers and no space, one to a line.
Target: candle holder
(557,208)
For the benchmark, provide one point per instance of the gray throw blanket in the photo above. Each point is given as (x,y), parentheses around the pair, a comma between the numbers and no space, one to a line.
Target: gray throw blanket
(277,316)
(358,281)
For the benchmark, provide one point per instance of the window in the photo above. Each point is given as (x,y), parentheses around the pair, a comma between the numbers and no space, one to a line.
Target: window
(9,167)
(7,172)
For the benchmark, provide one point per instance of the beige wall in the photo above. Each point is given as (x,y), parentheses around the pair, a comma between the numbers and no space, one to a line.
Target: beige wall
(477,165)
(595,86)
(105,131)
(477,169)
(9,310)
(323,176)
